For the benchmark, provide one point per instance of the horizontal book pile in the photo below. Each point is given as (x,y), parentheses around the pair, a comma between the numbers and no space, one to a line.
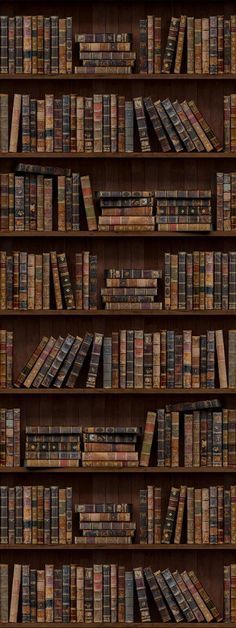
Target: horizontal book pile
(229,592)
(125,211)
(183,210)
(193,516)
(103,123)
(6,358)
(110,446)
(43,198)
(194,45)
(104,593)
(200,280)
(229,123)
(105,523)
(9,437)
(52,446)
(105,52)
(133,359)
(226,201)
(36,514)
(131,289)
(36,44)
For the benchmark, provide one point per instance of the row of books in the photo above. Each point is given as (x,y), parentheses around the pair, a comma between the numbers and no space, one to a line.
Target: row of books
(43,515)
(36,514)
(105,523)
(189,434)
(200,280)
(226,201)
(208,431)
(229,123)
(131,289)
(104,593)
(43,198)
(43,45)
(193,516)
(194,45)
(10,437)
(35,44)
(105,52)
(133,359)
(229,592)
(6,358)
(32,281)
(103,123)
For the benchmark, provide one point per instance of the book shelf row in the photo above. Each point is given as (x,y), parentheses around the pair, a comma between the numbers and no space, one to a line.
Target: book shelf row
(181,435)
(199,281)
(35,515)
(44,45)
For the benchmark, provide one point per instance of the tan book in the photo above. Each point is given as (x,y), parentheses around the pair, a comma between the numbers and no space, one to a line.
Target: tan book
(180,44)
(220,351)
(147,439)
(31,281)
(15,594)
(56,280)
(15,123)
(180,514)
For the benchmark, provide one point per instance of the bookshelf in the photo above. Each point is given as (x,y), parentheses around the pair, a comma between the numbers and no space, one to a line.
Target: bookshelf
(127,249)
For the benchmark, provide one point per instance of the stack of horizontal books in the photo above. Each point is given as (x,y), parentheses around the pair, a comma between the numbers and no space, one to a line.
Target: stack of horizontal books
(125,211)
(105,523)
(110,446)
(52,446)
(131,289)
(105,52)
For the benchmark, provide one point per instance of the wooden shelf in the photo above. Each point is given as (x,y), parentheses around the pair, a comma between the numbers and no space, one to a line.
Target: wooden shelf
(121,234)
(134,155)
(111,313)
(138,547)
(120,77)
(122,470)
(118,391)
(118,625)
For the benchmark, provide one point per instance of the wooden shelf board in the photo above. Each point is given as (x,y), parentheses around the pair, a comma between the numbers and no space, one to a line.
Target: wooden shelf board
(118,391)
(127,470)
(121,234)
(110,313)
(140,547)
(118,625)
(134,155)
(121,77)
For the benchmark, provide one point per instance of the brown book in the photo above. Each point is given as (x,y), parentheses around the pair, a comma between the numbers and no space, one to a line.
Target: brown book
(15,594)
(39,363)
(29,365)
(220,351)
(180,514)
(88,203)
(180,44)
(56,280)
(15,123)
(147,439)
